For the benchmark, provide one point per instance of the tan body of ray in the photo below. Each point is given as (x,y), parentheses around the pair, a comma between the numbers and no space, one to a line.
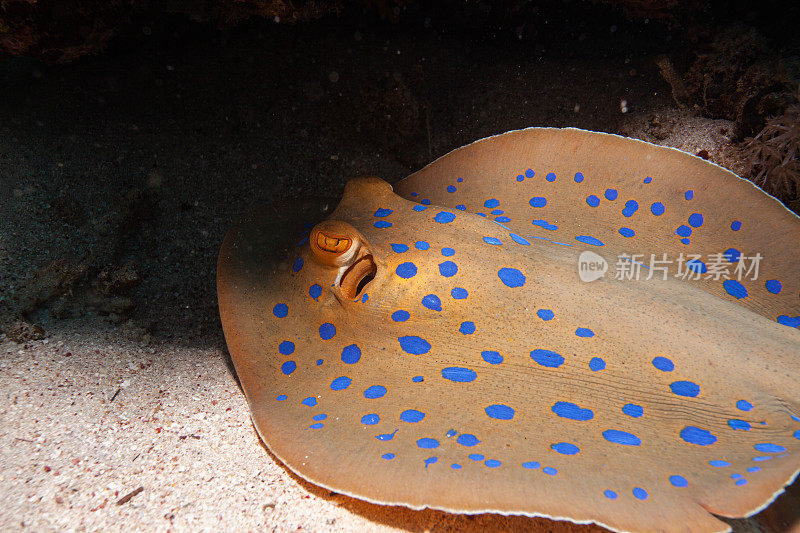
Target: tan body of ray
(640,406)
(682,206)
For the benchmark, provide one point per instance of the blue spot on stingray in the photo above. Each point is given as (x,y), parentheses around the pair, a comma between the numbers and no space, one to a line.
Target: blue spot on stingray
(767,447)
(414,345)
(321,416)
(451,188)
(572,411)
(592,200)
(298,264)
(678,481)
(382,212)
(584,332)
(695,435)
(773,285)
(420,207)
(281,397)
(685,241)
(739,424)
(406,270)
(447,252)
(791,321)
(412,416)
(762,458)
(796,434)
(695,265)
(288,367)
(596,364)
(286,348)
(683,230)
(375,391)
(744,405)
(621,437)
(456,466)
(631,206)
(736,225)
(492,240)
(545,224)
(688,194)
(610,494)
(695,220)
(500,412)
(467,328)
(519,240)
(315,291)
(547,358)
(429,461)
(633,410)
(538,201)
(399,248)
(529,173)
(370,420)
(732,255)
(459,293)
(754,469)
(280,310)
(417,379)
(382,224)
(578,177)
(427,443)
(551,177)
(491,203)
(492,357)
(425,201)
(448,269)
(431,301)
(461,207)
(685,388)
(520,177)
(611,194)
(318,425)
(497,211)
(386,436)
(401,315)
(719,464)
(545,314)
(531,465)
(511,277)
(657,208)
(734,288)
(663,364)
(421,245)
(340,383)
(459,374)
(310,401)
(586,239)
(467,440)
(741,482)
(388,456)
(639,493)
(444,217)
(459,180)
(565,448)
(550,471)
(627,232)
(351,354)
(476,457)
(327,331)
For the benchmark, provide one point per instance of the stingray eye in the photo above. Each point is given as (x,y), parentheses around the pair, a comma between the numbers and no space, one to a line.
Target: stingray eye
(332,243)
(335,243)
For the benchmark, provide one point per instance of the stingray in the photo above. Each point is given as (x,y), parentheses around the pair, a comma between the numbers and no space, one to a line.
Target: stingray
(437,345)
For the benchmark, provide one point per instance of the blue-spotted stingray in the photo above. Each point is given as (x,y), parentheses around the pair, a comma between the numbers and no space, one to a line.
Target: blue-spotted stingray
(434,345)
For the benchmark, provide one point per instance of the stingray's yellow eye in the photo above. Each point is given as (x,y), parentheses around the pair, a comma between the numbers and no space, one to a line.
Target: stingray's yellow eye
(332,243)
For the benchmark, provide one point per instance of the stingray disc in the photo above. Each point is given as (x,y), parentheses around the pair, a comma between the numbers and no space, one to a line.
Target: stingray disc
(446,350)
